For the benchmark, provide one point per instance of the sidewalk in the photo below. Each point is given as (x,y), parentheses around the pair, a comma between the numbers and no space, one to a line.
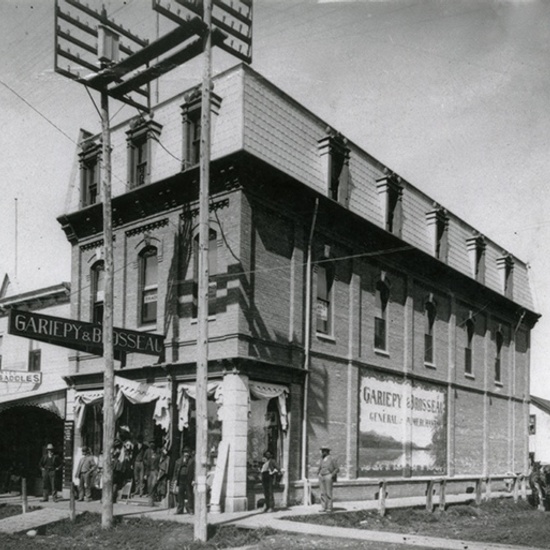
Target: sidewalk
(252,519)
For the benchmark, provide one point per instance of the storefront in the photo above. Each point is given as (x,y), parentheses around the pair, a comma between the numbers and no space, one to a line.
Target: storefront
(245,418)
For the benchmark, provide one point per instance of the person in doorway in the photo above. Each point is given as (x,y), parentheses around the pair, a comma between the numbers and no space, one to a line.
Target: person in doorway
(151,463)
(139,468)
(184,476)
(159,490)
(85,475)
(50,464)
(328,470)
(117,461)
(269,471)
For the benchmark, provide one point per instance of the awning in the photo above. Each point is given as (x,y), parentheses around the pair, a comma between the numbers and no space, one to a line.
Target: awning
(51,399)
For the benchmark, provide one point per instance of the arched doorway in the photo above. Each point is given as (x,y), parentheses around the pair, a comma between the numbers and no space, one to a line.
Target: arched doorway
(26,431)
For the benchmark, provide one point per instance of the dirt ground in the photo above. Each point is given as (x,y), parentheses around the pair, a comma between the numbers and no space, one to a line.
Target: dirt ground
(500,521)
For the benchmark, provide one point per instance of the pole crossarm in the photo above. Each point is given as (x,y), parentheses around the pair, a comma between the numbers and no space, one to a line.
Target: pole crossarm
(233,18)
(155,49)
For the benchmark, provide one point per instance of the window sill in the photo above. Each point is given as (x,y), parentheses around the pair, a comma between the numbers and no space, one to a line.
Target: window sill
(326,337)
(382,352)
(430,365)
(147,327)
(194,320)
(470,376)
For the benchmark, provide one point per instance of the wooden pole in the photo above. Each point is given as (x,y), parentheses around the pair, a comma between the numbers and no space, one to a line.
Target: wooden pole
(108,374)
(72,503)
(24,501)
(201,456)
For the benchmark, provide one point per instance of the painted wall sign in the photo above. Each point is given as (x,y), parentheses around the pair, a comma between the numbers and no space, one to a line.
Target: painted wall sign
(20,376)
(402,427)
(81,336)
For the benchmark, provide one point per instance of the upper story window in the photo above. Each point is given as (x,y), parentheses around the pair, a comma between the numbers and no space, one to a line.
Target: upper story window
(498,354)
(191,119)
(532,424)
(90,159)
(98,291)
(212,272)
(382,296)
(35,355)
(324,304)
(468,349)
(429,322)
(505,266)
(438,227)
(148,261)
(335,155)
(141,136)
(391,197)
(476,250)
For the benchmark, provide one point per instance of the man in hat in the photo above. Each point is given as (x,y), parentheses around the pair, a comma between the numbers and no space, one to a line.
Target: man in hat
(184,476)
(151,463)
(50,464)
(328,470)
(85,474)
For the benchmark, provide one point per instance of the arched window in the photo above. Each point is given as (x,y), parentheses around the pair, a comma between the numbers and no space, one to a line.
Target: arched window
(382,297)
(212,272)
(98,291)
(429,321)
(148,261)
(325,282)
(468,350)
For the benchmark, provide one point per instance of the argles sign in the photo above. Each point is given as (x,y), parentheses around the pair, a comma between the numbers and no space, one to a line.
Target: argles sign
(82,336)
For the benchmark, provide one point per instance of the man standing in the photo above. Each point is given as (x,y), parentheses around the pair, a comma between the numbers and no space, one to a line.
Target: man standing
(328,470)
(85,473)
(151,462)
(184,475)
(50,464)
(139,468)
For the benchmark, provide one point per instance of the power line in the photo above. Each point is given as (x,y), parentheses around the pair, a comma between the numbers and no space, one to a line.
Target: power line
(37,111)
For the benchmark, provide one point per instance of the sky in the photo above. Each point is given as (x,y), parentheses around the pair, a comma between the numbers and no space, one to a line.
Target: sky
(453,95)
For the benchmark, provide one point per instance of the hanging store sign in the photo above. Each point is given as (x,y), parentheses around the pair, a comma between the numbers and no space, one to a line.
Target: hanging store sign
(81,336)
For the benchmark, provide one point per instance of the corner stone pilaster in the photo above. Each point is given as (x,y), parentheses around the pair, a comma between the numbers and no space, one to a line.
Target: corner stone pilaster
(235,431)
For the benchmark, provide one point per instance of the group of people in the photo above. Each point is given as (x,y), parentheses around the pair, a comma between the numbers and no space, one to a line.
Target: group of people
(148,468)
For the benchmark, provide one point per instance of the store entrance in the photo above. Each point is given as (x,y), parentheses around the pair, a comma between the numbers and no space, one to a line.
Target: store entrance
(27,431)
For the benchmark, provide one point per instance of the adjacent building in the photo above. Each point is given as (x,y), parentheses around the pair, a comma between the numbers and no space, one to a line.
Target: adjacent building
(346,307)
(32,388)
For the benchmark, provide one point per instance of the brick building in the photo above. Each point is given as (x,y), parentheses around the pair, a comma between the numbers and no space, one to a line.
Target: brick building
(346,307)
(32,388)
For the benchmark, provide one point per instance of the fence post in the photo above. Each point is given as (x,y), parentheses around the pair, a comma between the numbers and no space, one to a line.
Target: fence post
(515,488)
(382,498)
(523,481)
(442,494)
(72,503)
(24,502)
(479,483)
(488,488)
(429,496)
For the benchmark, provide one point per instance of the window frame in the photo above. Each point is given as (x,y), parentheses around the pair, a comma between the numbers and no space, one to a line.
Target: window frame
(213,271)
(324,301)
(147,289)
(499,343)
(35,360)
(469,348)
(430,315)
(381,306)
(97,305)
(90,174)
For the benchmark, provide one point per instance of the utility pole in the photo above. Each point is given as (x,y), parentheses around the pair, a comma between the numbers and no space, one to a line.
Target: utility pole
(201,445)
(108,354)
